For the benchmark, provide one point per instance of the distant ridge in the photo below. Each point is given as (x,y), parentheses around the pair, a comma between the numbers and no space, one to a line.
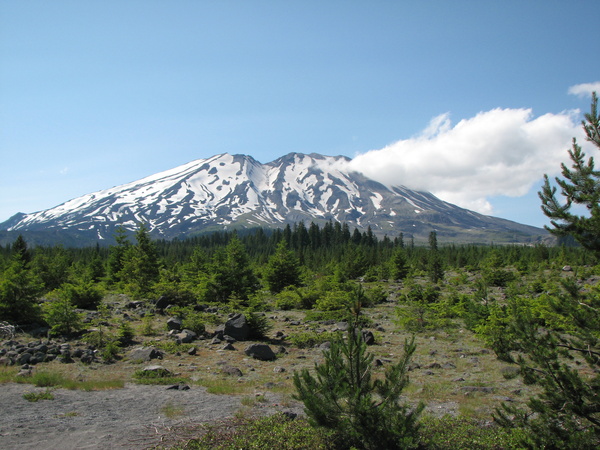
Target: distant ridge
(236,191)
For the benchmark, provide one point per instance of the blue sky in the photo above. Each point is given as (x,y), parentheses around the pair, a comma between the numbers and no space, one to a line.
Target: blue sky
(473,101)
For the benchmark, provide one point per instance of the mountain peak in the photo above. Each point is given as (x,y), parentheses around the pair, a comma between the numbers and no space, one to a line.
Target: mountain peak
(237,191)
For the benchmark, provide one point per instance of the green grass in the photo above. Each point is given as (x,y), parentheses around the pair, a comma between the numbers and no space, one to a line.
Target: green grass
(37,396)
(309,339)
(458,433)
(172,411)
(48,378)
(173,347)
(225,386)
(271,432)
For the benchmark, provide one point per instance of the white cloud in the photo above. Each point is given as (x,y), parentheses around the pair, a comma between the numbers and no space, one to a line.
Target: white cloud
(498,152)
(585,89)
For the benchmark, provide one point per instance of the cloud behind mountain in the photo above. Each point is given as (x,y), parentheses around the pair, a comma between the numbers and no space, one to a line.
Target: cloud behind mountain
(497,152)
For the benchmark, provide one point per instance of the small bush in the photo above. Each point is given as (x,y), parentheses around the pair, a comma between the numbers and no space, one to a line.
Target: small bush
(333,301)
(454,433)
(147,327)
(37,396)
(84,294)
(259,324)
(125,334)
(47,379)
(288,299)
(173,347)
(276,431)
(310,339)
(60,314)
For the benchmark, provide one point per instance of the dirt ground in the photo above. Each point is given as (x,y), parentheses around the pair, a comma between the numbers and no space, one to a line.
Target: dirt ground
(134,417)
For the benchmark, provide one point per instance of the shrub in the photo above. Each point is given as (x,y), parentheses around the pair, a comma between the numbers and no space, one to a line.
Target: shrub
(288,299)
(364,412)
(60,314)
(37,396)
(309,339)
(277,431)
(259,324)
(125,333)
(333,300)
(83,294)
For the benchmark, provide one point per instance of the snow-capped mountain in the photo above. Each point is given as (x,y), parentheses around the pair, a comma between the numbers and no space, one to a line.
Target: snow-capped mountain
(236,191)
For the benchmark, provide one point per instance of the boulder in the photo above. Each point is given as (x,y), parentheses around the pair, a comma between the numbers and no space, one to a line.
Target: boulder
(145,354)
(186,336)
(233,371)
(368,337)
(159,371)
(237,327)
(174,323)
(261,352)
(162,302)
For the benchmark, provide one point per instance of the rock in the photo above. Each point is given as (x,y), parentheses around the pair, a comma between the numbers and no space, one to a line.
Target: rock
(368,337)
(162,302)
(567,269)
(192,351)
(174,323)
(279,370)
(145,354)
(434,365)
(158,370)
(233,371)
(228,346)
(237,327)
(289,415)
(341,326)
(24,358)
(178,387)
(186,336)
(261,352)
(88,357)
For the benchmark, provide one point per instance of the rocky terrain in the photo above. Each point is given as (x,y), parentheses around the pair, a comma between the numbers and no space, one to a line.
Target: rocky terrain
(218,374)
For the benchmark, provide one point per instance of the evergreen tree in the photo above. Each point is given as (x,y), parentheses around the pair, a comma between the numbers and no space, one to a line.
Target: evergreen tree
(563,361)
(343,396)
(565,364)
(140,264)
(282,270)
(232,273)
(116,255)
(398,264)
(580,186)
(19,288)
(435,266)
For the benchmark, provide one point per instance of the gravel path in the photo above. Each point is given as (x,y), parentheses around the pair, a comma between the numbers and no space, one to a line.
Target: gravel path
(132,417)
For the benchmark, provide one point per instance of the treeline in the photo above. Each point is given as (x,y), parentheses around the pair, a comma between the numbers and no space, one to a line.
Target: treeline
(230,266)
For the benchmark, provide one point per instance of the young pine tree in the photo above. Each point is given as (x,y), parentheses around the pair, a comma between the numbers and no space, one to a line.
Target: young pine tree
(342,395)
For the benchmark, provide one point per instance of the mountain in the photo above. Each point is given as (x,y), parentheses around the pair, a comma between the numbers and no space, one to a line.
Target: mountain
(236,191)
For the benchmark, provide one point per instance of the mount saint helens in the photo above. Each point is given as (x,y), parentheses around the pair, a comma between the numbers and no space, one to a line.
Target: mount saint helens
(237,192)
